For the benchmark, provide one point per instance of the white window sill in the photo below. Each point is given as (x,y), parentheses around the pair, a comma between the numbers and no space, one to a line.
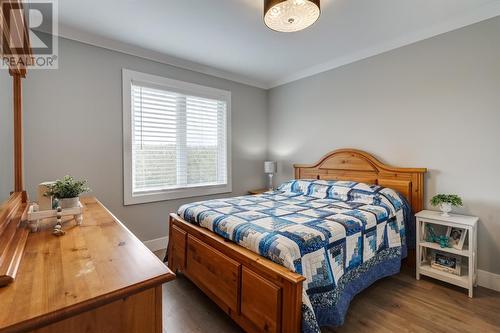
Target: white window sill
(176,194)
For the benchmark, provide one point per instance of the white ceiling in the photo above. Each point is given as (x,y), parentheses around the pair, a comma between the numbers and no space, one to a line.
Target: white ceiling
(227,38)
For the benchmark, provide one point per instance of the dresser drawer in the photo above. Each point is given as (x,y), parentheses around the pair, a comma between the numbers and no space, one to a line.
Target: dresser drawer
(260,302)
(214,273)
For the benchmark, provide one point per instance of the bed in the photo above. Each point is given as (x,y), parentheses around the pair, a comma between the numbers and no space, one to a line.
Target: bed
(291,260)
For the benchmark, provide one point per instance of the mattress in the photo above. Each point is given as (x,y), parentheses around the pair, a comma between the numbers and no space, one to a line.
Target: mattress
(340,235)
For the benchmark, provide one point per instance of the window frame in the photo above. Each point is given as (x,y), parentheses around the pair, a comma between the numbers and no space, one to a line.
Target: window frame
(163,83)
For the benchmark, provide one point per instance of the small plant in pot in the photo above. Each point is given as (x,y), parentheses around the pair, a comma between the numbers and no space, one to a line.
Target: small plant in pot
(67,191)
(445,202)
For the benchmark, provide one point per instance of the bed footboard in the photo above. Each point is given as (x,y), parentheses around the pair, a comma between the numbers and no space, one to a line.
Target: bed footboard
(258,294)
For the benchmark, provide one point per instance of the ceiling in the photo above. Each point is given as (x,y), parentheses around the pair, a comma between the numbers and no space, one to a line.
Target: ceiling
(227,38)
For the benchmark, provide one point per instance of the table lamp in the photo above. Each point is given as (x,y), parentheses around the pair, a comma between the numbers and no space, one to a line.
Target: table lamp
(270,167)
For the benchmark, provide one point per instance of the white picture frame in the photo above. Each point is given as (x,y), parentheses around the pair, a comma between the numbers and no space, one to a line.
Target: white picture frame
(456,237)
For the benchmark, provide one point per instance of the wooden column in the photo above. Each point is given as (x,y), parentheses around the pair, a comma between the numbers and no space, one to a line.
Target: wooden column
(18,134)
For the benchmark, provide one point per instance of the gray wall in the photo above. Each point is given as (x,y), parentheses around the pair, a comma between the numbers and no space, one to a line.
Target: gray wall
(6,135)
(433,104)
(73,125)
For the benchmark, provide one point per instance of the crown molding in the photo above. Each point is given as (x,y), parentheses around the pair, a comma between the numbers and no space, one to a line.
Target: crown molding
(487,11)
(114,45)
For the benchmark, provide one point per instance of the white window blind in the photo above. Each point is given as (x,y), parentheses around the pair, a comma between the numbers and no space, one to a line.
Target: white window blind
(179,141)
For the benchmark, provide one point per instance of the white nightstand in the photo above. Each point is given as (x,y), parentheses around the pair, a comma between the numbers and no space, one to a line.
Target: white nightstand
(468,277)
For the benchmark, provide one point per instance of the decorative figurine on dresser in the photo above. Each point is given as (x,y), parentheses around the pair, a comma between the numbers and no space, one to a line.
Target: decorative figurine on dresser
(58,227)
(447,244)
(58,199)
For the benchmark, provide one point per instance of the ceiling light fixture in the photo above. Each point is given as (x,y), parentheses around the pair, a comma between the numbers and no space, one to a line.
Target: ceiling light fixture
(290,15)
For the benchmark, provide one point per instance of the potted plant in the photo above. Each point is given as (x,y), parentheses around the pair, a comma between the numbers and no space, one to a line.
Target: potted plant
(67,191)
(446,202)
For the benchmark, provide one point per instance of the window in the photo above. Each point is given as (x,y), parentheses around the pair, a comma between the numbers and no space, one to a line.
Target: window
(176,139)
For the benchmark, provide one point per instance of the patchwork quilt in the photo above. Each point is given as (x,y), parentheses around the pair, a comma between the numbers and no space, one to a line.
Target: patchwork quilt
(340,235)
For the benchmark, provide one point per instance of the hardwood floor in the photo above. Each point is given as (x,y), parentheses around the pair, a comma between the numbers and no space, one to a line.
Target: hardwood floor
(396,304)
(187,309)
(403,304)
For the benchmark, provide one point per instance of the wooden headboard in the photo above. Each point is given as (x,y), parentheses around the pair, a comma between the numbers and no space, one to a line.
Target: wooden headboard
(357,165)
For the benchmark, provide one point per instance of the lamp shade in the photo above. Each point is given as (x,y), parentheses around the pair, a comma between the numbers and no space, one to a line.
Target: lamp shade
(270,167)
(290,15)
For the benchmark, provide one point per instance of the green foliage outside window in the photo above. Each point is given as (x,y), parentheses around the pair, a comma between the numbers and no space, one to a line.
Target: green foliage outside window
(156,166)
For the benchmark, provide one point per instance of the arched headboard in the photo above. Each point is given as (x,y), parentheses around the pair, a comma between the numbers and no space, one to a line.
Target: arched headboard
(360,166)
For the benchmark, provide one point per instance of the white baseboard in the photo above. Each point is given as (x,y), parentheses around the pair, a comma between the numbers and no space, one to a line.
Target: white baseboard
(157,244)
(488,280)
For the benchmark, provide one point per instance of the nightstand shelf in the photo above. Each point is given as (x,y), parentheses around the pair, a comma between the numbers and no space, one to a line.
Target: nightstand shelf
(468,253)
(461,281)
(463,252)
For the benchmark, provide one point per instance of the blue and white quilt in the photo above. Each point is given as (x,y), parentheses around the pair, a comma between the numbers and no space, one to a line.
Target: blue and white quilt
(340,235)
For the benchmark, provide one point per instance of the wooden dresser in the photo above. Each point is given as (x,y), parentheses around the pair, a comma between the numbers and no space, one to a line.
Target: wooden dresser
(97,278)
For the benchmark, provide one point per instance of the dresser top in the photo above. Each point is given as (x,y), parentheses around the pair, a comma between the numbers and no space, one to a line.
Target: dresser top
(453,218)
(91,265)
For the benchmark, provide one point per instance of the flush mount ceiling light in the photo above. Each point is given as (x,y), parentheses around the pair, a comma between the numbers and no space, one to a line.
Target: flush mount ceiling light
(290,15)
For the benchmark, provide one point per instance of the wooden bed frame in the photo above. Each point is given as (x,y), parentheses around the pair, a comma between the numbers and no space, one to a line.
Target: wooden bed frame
(259,295)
